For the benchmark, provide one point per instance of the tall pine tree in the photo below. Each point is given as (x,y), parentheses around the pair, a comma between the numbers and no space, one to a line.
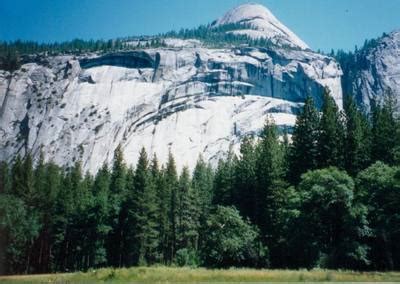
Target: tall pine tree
(116,239)
(144,213)
(384,130)
(303,150)
(357,139)
(331,135)
(171,183)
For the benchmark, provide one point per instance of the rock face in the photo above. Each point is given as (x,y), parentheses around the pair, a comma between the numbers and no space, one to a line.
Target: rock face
(188,99)
(262,24)
(378,73)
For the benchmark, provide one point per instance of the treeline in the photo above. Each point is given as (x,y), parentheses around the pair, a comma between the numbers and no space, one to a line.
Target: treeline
(211,36)
(329,199)
(11,52)
(222,36)
(352,62)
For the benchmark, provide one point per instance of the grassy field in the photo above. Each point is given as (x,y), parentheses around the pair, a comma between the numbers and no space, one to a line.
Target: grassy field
(170,274)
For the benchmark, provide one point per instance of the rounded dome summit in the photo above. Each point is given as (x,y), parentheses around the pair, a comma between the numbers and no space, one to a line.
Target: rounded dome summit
(262,24)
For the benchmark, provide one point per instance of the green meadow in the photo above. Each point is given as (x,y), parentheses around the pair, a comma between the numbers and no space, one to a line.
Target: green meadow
(171,274)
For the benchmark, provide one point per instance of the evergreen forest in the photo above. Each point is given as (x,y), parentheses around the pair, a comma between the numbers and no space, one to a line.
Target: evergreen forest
(326,196)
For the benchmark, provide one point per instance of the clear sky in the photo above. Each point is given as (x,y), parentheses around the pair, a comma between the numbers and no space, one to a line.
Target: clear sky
(322,24)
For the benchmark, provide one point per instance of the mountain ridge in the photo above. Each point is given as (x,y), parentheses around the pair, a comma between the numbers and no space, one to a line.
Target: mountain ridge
(169,94)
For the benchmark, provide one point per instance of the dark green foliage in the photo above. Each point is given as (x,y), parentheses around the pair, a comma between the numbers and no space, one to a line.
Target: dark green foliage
(98,223)
(231,241)
(224,181)
(144,213)
(9,60)
(118,214)
(331,135)
(331,223)
(18,227)
(163,195)
(202,184)
(379,188)
(188,214)
(303,150)
(10,51)
(269,174)
(244,179)
(5,179)
(273,198)
(171,184)
(384,131)
(357,139)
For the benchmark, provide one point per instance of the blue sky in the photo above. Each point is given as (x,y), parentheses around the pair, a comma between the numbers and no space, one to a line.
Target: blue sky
(323,24)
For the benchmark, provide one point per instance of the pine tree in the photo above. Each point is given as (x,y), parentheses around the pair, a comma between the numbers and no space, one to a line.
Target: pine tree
(331,135)
(98,218)
(5,178)
(202,183)
(38,251)
(29,194)
(116,240)
(384,130)
(162,193)
(80,231)
(303,150)
(40,179)
(357,139)
(144,212)
(49,197)
(188,213)
(171,183)
(66,210)
(17,177)
(245,179)
(269,168)
(129,241)
(224,181)
(270,188)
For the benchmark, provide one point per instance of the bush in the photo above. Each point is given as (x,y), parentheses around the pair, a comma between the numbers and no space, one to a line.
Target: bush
(187,257)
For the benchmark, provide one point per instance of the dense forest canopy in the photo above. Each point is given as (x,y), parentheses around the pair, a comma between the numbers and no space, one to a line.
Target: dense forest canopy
(328,199)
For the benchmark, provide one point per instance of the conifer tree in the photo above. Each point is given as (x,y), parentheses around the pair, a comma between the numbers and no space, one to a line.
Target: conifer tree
(5,178)
(357,139)
(129,240)
(224,181)
(116,240)
(202,183)
(40,179)
(188,213)
(303,150)
(98,218)
(163,196)
(17,177)
(271,190)
(331,135)
(245,179)
(144,212)
(49,199)
(171,184)
(45,207)
(384,130)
